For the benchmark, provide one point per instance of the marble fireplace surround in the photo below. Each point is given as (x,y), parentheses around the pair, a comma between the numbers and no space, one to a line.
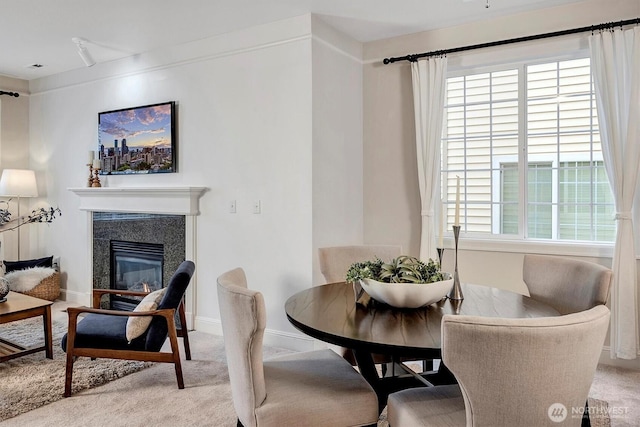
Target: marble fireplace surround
(154,200)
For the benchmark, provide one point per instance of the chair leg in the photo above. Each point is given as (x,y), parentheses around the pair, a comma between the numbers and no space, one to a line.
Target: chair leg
(70,346)
(68,374)
(586,420)
(173,339)
(179,378)
(183,331)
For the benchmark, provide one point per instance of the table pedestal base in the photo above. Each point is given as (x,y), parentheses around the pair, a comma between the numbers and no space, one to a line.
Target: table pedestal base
(384,386)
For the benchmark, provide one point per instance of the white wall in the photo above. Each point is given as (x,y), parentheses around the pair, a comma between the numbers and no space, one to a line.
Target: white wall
(337,141)
(14,154)
(271,113)
(389,152)
(245,131)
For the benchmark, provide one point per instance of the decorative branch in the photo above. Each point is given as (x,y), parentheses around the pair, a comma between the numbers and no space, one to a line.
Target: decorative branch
(37,215)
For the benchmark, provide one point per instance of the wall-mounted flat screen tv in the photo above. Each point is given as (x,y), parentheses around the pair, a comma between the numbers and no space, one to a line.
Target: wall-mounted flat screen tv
(138,140)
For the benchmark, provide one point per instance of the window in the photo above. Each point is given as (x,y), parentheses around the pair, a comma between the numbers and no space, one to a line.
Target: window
(541,115)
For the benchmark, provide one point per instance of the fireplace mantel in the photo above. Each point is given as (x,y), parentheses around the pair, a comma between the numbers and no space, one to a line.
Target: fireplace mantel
(166,200)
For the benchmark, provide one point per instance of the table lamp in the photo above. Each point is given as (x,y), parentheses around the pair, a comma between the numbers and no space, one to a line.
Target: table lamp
(18,183)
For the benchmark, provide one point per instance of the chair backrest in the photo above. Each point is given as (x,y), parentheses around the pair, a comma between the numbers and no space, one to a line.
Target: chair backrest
(566,284)
(336,260)
(511,371)
(243,316)
(158,331)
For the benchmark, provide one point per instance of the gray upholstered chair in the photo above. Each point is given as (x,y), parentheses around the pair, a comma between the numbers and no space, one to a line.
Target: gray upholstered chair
(316,388)
(509,371)
(568,285)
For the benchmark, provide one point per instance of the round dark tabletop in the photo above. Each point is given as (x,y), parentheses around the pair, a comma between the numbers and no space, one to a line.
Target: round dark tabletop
(329,313)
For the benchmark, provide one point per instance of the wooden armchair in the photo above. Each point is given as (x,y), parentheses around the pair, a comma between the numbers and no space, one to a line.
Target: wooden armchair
(102,333)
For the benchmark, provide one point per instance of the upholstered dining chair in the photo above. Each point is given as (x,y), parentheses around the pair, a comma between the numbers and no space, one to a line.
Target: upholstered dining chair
(334,264)
(568,285)
(103,333)
(316,388)
(510,372)
(336,260)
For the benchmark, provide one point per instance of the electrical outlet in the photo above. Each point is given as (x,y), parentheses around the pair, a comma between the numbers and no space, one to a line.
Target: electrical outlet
(256,207)
(232,206)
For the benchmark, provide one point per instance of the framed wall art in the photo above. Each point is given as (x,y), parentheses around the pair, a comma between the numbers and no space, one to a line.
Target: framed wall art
(138,140)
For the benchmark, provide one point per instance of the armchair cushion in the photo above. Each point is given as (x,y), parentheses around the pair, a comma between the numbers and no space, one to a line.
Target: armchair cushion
(104,331)
(136,326)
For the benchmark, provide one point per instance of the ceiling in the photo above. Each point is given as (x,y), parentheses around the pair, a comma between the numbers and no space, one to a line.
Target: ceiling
(40,31)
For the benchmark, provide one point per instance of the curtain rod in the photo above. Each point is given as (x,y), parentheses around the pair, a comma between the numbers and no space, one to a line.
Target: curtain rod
(2,92)
(414,57)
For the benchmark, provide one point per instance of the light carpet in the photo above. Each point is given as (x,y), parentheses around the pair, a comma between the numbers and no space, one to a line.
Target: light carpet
(151,397)
(32,381)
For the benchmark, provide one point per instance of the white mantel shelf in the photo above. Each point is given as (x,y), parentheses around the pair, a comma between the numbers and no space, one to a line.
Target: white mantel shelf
(166,200)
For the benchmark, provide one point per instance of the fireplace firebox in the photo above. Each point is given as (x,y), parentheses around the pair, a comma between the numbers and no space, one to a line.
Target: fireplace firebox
(135,266)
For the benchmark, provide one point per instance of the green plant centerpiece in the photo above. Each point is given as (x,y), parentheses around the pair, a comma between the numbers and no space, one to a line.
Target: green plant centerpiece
(405,281)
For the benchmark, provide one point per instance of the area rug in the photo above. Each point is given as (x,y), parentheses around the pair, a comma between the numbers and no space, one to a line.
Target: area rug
(32,381)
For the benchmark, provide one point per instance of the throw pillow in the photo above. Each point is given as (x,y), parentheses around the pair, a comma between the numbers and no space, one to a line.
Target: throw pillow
(137,325)
(29,263)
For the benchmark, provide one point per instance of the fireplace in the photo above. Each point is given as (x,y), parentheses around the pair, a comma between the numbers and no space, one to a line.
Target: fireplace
(156,214)
(134,249)
(135,266)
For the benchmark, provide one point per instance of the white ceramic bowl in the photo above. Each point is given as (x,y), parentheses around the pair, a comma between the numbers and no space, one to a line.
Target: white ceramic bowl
(407,295)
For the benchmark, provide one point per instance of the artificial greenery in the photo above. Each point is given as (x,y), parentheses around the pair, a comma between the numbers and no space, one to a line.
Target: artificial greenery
(404,269)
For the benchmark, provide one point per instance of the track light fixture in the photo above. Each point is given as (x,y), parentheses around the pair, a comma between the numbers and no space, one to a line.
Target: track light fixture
(16,94)
(83,51)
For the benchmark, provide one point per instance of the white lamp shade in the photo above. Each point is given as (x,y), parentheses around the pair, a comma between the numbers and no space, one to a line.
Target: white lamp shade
(18,182)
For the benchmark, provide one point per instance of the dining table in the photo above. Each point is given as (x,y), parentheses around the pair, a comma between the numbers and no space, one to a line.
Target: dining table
(330,313)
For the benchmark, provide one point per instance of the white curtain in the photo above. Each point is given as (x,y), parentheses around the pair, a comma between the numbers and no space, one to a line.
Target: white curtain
(429,79)
(615,61)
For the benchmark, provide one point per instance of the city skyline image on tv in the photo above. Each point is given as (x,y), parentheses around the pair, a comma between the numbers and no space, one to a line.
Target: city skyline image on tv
(138,140)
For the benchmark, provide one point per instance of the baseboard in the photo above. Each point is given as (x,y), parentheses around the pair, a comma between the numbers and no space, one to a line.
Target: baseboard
(75,297)
(605,359)
(272,338)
